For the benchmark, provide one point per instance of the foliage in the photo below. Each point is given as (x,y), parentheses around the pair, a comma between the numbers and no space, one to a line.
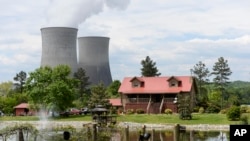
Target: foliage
(212,108)
(11,130)
(168,111)
(148,68)
(5,88)
(214,97)
(223,111)
(184,108)
(51,87)
(112,89)
(130,111)
(233,113)
(139,111)
(20,78)
(201,73)
(98,96)
(82,88)
(201,110)
(221,71)
(244,120)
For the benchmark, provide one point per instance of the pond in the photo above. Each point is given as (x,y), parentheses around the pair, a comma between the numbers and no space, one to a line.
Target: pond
(121,135)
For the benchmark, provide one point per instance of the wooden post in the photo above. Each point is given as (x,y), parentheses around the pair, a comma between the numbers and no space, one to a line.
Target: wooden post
(94,137)
(20,136)
(143,129)
(191,135)
(127,133)
(176,132)
(153,133)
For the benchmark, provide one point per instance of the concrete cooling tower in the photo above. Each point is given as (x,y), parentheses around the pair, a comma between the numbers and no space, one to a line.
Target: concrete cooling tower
(94,58)
(59,47)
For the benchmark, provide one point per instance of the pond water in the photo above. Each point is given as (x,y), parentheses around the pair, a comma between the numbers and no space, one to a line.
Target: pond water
(132,136)
(183,136)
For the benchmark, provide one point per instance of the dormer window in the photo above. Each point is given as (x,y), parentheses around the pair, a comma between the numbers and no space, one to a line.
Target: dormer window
(173,82)
(137,82)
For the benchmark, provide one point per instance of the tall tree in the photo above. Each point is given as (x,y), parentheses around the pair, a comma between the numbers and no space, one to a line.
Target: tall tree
(51,87)
(5,88)
(112,89)
(201,72)
(20,78)
(98,96)
(148,68)
(84,81)
(221,71)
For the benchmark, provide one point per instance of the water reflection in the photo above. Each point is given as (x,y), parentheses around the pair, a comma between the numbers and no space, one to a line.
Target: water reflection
(183,136)
(121,135)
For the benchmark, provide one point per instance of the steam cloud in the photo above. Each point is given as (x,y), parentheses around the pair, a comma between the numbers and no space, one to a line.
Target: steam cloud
(74,12)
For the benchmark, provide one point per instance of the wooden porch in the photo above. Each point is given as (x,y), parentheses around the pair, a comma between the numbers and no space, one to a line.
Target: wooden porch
(151,104)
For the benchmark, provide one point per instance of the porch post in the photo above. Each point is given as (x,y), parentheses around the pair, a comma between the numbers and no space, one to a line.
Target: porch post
(162,102)
(149,102)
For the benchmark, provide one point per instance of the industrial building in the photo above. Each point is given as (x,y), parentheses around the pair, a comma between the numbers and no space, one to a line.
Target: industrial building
(59,46)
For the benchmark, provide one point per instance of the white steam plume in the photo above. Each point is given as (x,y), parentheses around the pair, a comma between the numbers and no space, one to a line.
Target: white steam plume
(71,13)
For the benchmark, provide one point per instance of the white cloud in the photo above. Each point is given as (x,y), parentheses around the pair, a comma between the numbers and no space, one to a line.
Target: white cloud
(175,34)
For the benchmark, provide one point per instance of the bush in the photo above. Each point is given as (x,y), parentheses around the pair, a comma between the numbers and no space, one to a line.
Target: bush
(223,111)
(244,120)
(168,111)
(201,110)
(233,113)
(212,109)
(130,111)
(140,111)
(243,109)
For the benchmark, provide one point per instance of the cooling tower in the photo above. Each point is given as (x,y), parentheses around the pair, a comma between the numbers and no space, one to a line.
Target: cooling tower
(94,59)
(59,47)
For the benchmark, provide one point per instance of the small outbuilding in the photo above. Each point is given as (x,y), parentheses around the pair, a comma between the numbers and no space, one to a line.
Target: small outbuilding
(22,110)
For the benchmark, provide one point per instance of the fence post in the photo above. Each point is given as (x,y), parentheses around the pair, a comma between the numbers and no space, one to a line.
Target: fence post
(94,132)
(127,133)
(20,135)
(153,133)
(176,132)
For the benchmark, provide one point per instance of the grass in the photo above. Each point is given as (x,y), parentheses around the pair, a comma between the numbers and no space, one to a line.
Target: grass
(142,118)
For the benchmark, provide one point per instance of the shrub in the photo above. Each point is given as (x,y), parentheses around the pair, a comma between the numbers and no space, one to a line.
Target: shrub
(248,110)
(233,113)
(223,111)
(243,109)
(168,111)
(140,111)
(130,111)
(201,110)
(212,109)
(244,120)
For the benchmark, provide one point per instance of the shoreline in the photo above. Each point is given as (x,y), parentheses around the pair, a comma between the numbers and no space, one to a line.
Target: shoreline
(130,125)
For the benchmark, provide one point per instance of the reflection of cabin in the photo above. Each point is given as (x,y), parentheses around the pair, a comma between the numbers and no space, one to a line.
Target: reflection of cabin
(23,110)
(155,94)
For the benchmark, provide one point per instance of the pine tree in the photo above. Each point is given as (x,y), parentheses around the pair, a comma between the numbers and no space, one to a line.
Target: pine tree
(148,68)
(221,71)
(20,78)
(201,73)
(98,96)
(84,81)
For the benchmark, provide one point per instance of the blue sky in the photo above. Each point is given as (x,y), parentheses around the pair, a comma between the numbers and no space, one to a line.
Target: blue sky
(175,34)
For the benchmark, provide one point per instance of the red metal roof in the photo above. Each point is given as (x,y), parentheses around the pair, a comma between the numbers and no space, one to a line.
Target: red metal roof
(115,102)
(156,85)
(22,105)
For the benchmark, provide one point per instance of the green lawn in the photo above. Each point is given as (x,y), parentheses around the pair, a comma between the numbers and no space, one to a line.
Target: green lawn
(142,118)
